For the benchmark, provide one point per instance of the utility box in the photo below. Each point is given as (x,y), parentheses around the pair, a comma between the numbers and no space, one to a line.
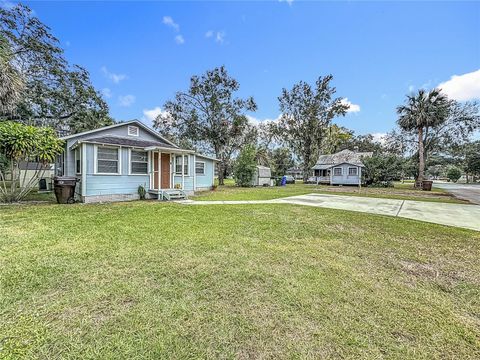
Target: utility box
(262,176)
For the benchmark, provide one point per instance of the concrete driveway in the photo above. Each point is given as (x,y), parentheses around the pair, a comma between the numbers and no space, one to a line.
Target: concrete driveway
(470,192)
(459,215)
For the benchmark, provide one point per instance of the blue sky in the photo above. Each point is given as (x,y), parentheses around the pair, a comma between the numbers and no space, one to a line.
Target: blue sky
(141,53)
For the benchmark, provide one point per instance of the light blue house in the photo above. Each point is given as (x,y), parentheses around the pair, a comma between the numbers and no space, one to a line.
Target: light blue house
(342,168)
(110,164)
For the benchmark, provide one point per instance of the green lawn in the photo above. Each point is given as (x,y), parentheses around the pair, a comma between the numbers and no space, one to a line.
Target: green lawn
(400,191)
(149,280)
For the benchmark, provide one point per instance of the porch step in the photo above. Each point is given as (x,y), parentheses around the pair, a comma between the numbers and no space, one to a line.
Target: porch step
(169,194)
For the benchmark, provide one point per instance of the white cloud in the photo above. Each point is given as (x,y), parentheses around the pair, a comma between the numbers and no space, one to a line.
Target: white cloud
(379,137)
(411,88)
(167,20)
(255,121)
(107,93)
(463,87)
(289,2)
(115,78)
(179,39)
(219,36)
(149,115)
(126,100)
(354,108)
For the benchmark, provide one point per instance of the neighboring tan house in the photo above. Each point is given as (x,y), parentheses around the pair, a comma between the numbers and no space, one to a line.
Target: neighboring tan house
(110,164)
(342,168)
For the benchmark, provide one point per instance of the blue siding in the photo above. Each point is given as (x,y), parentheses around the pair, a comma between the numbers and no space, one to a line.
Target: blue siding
(206,181)
(345,179)
(113,184)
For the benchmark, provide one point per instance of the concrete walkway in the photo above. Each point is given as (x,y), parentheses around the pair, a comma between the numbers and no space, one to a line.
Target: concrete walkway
(459,215)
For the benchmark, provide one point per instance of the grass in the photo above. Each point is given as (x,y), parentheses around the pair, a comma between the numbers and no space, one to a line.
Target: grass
(149,280)
(400,191)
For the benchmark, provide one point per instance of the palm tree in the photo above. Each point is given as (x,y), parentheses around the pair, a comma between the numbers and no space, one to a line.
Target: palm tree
(422,111)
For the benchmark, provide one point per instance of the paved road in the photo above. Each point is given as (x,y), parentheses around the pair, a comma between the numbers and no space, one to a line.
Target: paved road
(462,191)
(459,215)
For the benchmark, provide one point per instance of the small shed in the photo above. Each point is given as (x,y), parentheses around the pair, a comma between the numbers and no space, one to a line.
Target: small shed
(262,176)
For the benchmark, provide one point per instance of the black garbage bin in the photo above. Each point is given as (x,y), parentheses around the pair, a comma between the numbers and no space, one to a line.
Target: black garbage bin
(64,187)
(427,185)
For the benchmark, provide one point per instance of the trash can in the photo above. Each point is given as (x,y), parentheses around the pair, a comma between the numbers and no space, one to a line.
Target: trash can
(427,185)
(64,187)
(284,181)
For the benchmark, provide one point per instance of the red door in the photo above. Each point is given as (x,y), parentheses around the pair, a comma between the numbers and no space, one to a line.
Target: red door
(165,171)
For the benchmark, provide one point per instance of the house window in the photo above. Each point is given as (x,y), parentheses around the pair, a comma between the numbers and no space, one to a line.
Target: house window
(132,130)
(337,171)
(199,168)
(178,165)
(138,162)
(107,160)
(78,161)
(353,171)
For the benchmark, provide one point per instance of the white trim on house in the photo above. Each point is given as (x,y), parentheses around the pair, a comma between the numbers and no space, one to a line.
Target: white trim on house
(78,150)
(204,167)
(135,130)
(84,171)
(95,158)
(130,173)
(352,168)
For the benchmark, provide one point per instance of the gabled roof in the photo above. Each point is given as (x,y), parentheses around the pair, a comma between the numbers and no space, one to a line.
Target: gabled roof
(136,122)
(342,157)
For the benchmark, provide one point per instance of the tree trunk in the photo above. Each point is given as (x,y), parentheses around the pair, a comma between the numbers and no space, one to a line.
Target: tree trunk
(221,173)
(421,158)
(306,169)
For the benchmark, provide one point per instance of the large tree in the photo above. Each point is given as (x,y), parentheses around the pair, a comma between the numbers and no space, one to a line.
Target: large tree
(307,111)
(422,112)
(55,93)
(210,117)
(11,81)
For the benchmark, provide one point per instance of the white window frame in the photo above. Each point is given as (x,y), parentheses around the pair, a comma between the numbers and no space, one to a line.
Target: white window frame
(137,130)
(338,168)
(78,152)
(130,162)
(183,166)
(353,168)
(204,167)
(95,160)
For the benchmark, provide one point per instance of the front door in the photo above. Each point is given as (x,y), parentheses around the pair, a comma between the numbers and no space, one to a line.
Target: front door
(165,171)
(156,172)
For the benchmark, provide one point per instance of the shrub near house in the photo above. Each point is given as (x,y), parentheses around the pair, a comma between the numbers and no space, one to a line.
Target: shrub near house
(24,144)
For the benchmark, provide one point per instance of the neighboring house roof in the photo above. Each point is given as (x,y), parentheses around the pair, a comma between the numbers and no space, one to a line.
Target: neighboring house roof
(127,142)
(136,122)
(342,157)
(32,165)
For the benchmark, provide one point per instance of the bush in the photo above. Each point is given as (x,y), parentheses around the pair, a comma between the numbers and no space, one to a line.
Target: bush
(454,173)
(142,192)
(24,143)
(381,170)
(245,166)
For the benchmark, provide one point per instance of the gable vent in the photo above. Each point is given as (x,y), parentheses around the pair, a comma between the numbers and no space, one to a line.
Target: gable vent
(132,130)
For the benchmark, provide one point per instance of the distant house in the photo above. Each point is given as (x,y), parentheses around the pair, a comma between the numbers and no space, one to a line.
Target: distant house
(342,168)
(110,164)
(262,176)
(297,173)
